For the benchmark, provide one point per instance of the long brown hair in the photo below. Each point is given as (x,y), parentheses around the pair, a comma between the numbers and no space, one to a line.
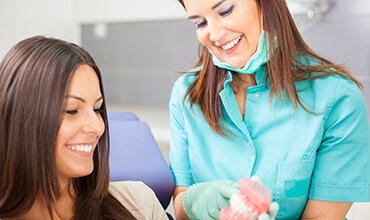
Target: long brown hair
(34,77)
(283,70)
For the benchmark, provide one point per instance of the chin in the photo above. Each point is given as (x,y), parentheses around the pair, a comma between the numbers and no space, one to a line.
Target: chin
(85,172)
(238,64)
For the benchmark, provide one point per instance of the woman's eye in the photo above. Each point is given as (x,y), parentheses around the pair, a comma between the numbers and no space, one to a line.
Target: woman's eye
(200,24)
(228,11)
(98,111)
(71,112)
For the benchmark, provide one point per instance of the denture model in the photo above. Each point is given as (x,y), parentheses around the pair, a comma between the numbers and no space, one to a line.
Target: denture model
(252,200)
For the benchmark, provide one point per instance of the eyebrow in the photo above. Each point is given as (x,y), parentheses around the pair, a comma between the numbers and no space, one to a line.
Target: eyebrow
(213,7)
(81,99)
(218,4)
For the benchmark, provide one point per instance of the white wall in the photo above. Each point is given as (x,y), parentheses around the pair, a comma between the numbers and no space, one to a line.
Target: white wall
(21,19)
(100,11)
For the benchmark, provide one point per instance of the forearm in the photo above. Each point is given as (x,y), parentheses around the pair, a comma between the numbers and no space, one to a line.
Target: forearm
(316,210)
(180,213)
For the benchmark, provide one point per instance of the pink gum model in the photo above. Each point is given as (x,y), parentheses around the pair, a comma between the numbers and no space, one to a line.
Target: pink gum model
(252,200)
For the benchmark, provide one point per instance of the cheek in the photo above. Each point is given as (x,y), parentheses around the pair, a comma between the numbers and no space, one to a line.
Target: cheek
(203,38)
(65,132)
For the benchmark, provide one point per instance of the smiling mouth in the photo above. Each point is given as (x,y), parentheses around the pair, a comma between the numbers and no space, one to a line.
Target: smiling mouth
(81,148)
(231,44)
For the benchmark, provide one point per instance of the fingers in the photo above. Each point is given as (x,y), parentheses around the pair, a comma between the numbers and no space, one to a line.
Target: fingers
(234,185)
(264,216)
(256,179)
(213,213)
(273,210)
(228,189)
(222,202)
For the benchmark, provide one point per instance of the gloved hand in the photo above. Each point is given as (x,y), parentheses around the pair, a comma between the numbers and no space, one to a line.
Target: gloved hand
(205,200)
(273,210)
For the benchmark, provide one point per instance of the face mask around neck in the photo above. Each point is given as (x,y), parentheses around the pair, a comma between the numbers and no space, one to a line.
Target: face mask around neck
(255,62)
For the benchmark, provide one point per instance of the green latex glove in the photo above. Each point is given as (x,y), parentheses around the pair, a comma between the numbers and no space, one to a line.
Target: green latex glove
(273,210)
(205,200)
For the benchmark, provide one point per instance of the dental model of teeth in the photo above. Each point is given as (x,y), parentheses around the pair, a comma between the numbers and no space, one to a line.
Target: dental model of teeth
(252,200)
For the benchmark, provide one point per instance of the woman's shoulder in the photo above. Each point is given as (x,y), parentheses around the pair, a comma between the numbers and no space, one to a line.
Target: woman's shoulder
(187,78)
(138,198)
(324,82)
(337,85)
(182,84)
(130,190)
(333,79)
(128,186)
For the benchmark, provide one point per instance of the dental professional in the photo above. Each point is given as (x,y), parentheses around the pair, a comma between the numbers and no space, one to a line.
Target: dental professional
(54,144)
(260,102)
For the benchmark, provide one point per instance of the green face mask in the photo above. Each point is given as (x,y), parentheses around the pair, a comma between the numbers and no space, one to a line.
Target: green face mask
(255,61)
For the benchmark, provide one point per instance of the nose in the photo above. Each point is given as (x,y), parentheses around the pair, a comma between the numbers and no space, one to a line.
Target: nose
(216,32)
(93,123)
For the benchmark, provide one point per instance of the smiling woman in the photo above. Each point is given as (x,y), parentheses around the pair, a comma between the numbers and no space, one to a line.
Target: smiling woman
(232,40)
(81,125)
(53,139)
(260,102)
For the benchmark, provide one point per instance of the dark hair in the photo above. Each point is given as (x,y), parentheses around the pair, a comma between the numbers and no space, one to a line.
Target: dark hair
(34,77)
(283,70)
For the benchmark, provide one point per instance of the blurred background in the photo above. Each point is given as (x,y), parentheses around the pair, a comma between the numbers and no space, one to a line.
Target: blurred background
(142,45)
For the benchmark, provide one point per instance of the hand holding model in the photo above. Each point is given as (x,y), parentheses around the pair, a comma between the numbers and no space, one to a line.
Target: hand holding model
(254,201)
(205,200)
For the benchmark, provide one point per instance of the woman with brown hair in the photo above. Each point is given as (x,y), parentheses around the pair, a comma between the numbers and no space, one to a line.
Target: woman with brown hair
(54,139)
(261,102)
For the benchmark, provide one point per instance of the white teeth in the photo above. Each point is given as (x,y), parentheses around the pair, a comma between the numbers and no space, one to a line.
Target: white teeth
(238,204)
(81,148)
(231,44)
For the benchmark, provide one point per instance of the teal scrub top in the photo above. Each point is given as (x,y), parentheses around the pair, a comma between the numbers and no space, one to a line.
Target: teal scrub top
(297,155)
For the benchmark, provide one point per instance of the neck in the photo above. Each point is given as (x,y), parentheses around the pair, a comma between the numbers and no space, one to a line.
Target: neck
(62,208)
(243,81)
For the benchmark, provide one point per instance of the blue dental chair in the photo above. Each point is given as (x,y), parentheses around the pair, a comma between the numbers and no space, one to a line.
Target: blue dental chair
(134,155)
